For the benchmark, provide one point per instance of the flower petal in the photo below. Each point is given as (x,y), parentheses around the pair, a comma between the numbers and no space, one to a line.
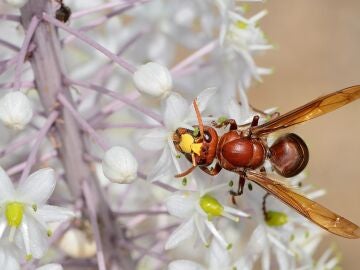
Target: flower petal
(162,167)
(7,190)
(185,264)
(37,236)
(38,187)
(50,266)
(51,213)
(181,204)
(219,257)
(175,111)
(202,101)
(155,139)
(183,232)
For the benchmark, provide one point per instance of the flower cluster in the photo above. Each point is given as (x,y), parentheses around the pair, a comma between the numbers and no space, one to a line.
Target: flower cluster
(136,72)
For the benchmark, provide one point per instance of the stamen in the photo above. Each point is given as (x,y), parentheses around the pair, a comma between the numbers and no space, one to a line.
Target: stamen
(12,233)
(231,217)
(201,232)
(236,212)
(217,234)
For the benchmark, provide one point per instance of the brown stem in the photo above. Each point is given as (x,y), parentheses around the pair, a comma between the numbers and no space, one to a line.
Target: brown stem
(48,68)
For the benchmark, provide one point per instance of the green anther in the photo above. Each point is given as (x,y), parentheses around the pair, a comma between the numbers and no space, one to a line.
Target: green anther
(14,212)
(241,25)
(196,131)
(250,186)
(28,257)
(49,233)
(221,119)
(229,246)
(234,268)
(292,237)
(207,245)
(34,207)
(178,156)
(184,181)
(211,206)
(307,234)
(231,183)
(276,219)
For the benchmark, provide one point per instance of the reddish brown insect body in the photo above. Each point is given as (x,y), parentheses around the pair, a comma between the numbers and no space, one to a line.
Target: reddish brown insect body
(243,150)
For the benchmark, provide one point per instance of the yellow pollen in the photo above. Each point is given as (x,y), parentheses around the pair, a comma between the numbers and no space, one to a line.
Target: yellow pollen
(14,212)
(188,146)
(196,147)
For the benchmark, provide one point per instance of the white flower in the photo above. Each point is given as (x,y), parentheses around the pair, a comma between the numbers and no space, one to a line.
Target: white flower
(198,209)
(15,110)
(153,79)
(177,113)
(24,216)
(119,165)
(16,3)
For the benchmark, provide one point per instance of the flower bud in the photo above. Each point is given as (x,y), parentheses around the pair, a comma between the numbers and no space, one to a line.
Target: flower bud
(119,165)
(15,110)
(153,79)
(16,3)
(276,219)
(77,244)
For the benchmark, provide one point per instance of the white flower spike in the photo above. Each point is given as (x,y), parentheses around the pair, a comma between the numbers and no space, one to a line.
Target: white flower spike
(15,110)
(25,217)
(119,165)
(153,79)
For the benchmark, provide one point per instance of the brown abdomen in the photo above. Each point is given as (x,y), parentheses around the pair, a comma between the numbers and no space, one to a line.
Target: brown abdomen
(289,155)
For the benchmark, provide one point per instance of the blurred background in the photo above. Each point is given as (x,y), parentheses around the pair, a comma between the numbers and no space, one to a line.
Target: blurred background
(318,52)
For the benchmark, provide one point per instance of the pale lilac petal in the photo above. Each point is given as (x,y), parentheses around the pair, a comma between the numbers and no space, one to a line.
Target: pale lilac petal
(38,187)
(51,266)
(183,232)
(185,265)
(181,204)
(51,213)
(155,139)
(176,109)
(7,190)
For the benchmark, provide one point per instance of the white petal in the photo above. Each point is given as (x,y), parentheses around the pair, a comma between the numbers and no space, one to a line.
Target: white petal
(37,234)
(219,257)
(38,187)
(155,139)
(185,265)
(282,259)
(181,204)
(7,190)
(202,101)
(176,108)
(51,266)
(183,232)
(51,213)
(162,167)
